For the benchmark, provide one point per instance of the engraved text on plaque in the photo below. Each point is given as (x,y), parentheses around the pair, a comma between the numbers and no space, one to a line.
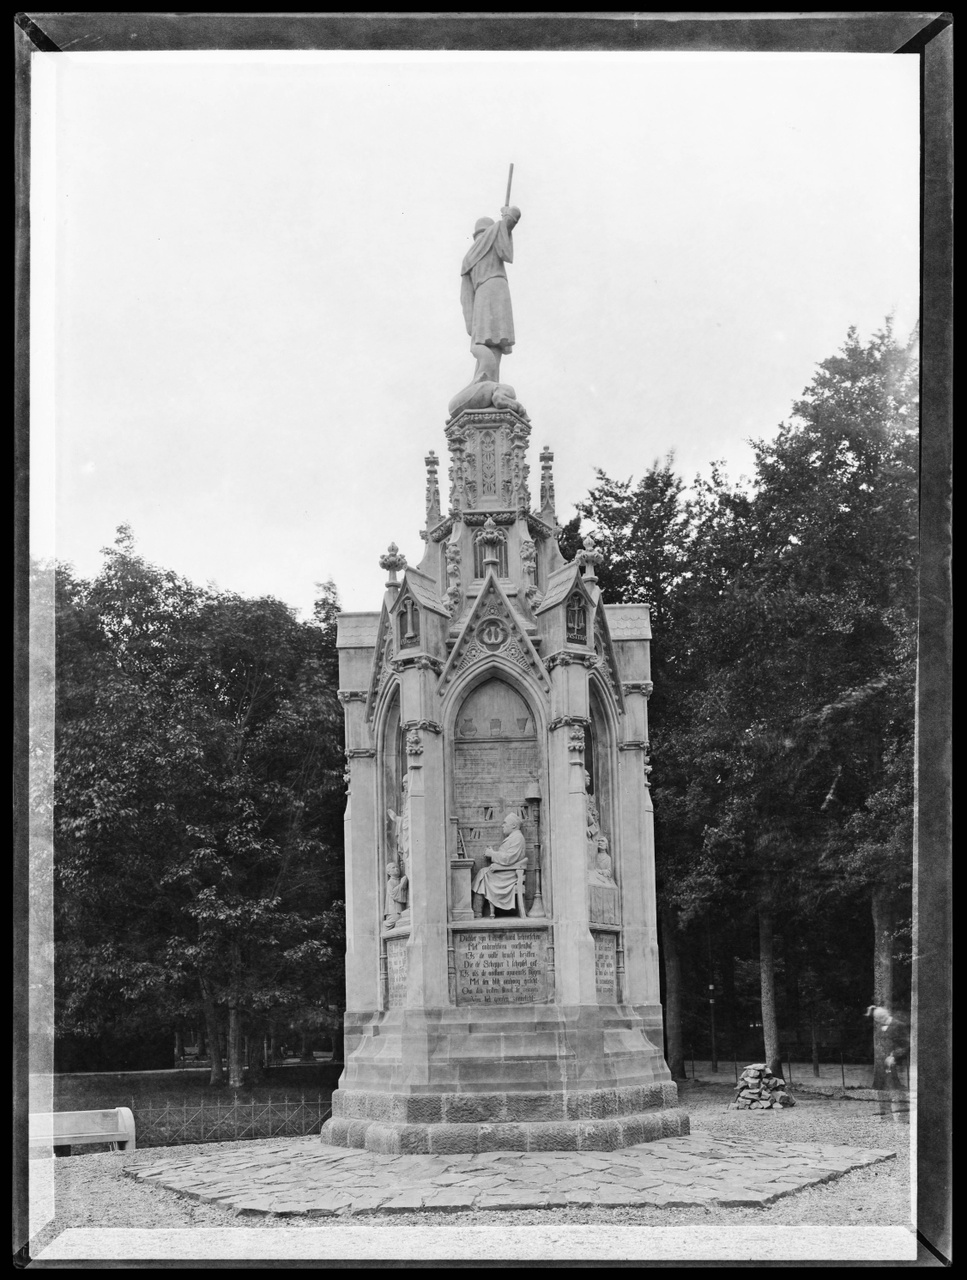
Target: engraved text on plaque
(506,966)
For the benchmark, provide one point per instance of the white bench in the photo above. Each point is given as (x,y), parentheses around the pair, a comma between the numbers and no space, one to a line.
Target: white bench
(80,1128)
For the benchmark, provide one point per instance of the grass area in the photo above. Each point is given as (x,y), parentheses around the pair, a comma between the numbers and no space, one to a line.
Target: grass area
(174,1107)
(133,1088)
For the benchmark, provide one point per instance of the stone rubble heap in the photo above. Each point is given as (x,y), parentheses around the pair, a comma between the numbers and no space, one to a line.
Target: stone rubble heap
(759,1089)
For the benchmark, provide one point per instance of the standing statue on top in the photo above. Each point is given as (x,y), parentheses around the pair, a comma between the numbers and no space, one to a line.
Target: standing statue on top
(485,299)
(485,293)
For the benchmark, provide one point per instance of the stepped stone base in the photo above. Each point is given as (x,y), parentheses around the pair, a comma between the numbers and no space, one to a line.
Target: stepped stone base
(520,1078)
(547,1135)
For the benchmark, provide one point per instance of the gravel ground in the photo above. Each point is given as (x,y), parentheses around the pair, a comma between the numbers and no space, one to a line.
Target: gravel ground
(91,1190)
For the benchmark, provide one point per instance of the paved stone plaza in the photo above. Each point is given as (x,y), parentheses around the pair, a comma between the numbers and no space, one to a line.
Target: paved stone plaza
(303,1177)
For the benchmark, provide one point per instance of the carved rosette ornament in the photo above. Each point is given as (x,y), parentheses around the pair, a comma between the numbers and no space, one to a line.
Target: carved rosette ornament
(414,743)
(575,738)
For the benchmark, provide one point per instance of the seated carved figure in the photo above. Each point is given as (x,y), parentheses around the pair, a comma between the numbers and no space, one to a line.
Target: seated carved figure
(498,882)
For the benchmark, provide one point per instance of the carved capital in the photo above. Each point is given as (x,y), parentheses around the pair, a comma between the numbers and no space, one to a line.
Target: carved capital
(346,696)
(561,722)
(564,658)
(644,687)
(360,753)
(430,726)
(422,662)
(634,744)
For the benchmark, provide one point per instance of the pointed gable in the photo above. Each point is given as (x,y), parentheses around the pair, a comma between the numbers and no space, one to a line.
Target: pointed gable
(492,629)
(559,586)
(424,591)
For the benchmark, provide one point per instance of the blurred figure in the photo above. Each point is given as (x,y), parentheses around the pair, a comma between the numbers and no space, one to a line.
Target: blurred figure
(891,1040)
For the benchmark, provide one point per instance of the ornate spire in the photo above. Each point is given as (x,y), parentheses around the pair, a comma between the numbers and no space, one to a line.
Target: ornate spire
(588,558)
(547,484)
(394,562)
(432,490)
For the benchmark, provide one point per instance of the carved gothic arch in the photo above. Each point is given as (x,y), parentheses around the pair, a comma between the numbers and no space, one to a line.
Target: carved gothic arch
(497,667)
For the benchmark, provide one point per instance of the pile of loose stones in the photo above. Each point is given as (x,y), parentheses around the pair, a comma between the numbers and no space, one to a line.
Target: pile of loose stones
(758,1089)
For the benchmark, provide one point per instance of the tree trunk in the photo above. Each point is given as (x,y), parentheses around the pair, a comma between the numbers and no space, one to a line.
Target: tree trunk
(884,925)
(236,1074)
(236,1070)
(217,1076)
(675,1053)
(338,1045)
(767,980)
(179,1047)
(255,1058)
(812,1032)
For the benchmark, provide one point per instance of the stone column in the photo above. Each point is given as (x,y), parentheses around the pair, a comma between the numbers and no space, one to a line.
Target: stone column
(426,966)
(363,885)
(637,867)
(567,814)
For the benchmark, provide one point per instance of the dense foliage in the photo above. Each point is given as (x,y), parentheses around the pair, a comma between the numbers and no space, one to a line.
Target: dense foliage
(198,807)
(782,721)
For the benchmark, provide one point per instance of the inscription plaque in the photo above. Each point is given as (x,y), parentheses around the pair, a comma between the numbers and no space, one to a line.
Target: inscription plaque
(605,968)
(501,966)
(395,972)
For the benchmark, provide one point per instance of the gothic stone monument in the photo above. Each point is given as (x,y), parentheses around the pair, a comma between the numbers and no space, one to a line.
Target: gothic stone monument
(502,961)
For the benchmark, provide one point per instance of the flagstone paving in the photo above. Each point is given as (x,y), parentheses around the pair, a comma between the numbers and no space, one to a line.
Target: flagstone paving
(302,1177)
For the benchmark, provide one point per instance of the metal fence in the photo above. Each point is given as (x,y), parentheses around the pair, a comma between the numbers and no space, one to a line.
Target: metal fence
(213,1120)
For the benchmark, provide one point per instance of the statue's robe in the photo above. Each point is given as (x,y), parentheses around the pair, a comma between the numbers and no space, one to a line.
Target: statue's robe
(498,881)
(484,291)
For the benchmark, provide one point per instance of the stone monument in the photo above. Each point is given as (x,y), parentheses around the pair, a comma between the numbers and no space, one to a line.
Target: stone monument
(502,960)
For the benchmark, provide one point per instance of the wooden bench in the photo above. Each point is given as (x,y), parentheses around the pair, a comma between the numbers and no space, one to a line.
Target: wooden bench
(81,1128)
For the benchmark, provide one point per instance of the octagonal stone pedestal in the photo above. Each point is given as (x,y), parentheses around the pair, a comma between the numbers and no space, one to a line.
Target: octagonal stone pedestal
(524,1078)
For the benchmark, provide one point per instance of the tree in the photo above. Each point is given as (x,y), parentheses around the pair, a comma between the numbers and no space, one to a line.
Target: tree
(783,657)
(199,802)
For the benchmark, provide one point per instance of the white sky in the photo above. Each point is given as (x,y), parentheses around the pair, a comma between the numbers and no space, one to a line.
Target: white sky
(246,319)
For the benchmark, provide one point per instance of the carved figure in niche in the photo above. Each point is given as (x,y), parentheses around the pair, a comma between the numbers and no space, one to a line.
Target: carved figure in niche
(396,895)
(603,872)
(593,823)
(498,882)
(402,824)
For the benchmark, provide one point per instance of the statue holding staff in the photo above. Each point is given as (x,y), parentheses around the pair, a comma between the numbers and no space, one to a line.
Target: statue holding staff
(485,293)
(485,299)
